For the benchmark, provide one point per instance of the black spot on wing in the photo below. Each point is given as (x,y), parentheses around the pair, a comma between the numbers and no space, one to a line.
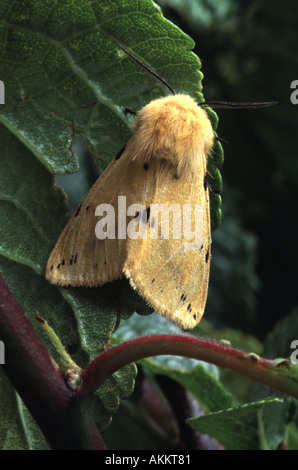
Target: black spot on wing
(73,259)
(78,210)
(146,215)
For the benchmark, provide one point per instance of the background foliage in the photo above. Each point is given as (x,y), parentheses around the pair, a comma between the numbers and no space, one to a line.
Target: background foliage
(55,62)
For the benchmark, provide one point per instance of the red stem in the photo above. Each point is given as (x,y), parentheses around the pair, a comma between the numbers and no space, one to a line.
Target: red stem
(259,369)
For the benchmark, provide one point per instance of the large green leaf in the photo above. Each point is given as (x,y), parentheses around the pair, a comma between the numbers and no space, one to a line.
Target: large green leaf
(64,74)
(57,59)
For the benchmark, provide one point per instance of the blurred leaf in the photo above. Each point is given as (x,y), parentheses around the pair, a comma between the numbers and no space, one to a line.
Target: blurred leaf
(278,344)
(239,386)
(287,329)
(254,426)
(33,435)
(204,13)
(234,283)
(127,433)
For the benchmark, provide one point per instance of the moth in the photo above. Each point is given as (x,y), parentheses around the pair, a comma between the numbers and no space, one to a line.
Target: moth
(161,175)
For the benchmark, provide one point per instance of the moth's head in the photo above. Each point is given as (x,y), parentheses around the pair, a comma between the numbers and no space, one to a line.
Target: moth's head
(175,129)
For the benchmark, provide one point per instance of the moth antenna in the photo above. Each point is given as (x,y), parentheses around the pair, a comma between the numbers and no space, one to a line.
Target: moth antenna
(233,105)
(145,67)
(220,139)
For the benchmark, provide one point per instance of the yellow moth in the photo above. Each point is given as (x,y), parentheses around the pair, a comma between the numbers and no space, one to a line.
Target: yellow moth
(153,240)
(140,217)
(163,164)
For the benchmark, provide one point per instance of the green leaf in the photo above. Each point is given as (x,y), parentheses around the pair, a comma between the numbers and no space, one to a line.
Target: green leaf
(287,329)
(254,426)
(205,14)
(64,74)
(56,59)
(203,385)
(18,430)
(29,205)
(237,384)
(118,387)
(11,436)
(34,437)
